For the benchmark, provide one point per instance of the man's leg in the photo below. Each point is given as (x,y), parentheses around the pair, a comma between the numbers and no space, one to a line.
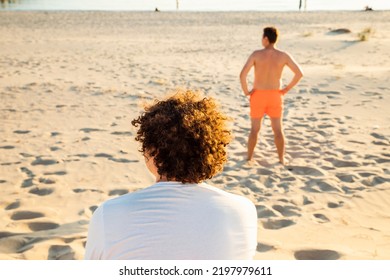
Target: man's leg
(252,139)
(277,128)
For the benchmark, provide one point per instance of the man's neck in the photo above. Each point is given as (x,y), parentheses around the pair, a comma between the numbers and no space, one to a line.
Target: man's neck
(270,47)
(162,178)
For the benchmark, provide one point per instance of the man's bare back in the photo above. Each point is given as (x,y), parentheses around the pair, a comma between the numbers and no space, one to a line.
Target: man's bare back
(266,96)
(268,66)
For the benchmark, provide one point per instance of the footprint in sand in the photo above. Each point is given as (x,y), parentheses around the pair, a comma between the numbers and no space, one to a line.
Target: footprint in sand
(80,190)
(27,171)
(287,211)
(265,212)
(11,243)
(22,131)
(371,93)
(345,152)
(54,134)
(288,179)
(61,252)
(254,185)
(304,170)
(10,163)
(103,155)
(378,136)
(40,226)
(123,160)
(323,126)
(47,181)
(321,218)
(79,155)
(297,140)
(374,181)
(342,163)
(328,93)
(59,173)
(122,133)
(26,215)
(264,171)
(277,224)
(356,142)
(349,190)
(43,161)
(335,205)
(343,131)
(323,133)
(110,157)
(315,254)
(381,142)
(118,192)
(7,147)
(13,205)
(302,125)
(382,160)
(26,155)
(366,174)
(29,181)
(321,186)
(262,247)
(88,130)
(93,208)
(41,191)
(307,201)
(347,178)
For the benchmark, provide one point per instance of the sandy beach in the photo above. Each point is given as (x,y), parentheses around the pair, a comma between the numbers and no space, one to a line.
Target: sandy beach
(71,82)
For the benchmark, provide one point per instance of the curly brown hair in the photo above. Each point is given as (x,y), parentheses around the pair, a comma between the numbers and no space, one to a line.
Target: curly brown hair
(187,136)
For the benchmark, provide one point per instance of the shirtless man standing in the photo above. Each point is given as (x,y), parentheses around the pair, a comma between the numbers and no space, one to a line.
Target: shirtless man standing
(266,97)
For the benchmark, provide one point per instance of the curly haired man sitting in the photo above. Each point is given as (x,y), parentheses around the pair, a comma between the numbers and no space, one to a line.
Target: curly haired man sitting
(183,139)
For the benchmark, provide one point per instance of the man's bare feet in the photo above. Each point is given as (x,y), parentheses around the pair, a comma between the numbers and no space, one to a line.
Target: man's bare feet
(285,161)
(250,161)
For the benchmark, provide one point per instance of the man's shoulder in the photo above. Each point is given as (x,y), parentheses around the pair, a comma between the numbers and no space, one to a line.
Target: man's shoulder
(284,53)
(257,52)
(264,51)
(281,52)
(237,199)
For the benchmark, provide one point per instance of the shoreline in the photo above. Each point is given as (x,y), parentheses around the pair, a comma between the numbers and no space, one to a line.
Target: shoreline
(194,12)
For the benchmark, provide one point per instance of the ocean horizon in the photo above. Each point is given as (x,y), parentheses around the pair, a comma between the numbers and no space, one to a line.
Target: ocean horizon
(191,5)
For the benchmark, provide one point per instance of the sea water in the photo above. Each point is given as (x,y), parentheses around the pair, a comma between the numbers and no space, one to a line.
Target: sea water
(194,5)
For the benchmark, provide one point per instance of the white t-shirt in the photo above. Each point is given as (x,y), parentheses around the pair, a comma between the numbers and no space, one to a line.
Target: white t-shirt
(171,220)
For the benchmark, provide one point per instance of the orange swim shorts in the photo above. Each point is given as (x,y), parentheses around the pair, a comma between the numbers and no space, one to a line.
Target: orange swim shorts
(268,101)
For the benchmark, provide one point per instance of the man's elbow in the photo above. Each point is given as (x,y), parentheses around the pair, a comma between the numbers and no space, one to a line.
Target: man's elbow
(299,75)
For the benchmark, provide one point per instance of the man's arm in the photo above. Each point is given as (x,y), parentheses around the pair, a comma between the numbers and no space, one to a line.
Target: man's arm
(298,74)
(244,72)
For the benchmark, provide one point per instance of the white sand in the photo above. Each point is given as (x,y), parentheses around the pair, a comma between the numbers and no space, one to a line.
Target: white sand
(70,84)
